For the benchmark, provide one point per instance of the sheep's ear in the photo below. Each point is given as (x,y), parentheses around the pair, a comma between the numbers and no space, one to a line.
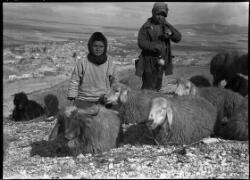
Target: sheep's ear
(54,133)
(169,115)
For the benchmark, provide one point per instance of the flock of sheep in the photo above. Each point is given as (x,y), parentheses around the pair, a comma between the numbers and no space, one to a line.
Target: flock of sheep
(195,111)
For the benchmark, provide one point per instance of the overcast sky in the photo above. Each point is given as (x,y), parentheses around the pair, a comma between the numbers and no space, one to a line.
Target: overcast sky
(132,14)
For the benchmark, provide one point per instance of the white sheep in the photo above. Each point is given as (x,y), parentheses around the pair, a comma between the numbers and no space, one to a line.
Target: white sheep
(181,120)
(133,104)
(225,100)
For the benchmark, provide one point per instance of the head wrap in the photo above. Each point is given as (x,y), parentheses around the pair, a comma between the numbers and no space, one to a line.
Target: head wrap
(160,7)
(97,36)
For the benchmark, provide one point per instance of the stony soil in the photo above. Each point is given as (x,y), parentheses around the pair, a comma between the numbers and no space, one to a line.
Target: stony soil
(27,154)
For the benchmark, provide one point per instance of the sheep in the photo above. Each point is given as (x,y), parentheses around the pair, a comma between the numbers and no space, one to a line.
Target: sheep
(226,101)
(200,81)
(25,109)
(225,65)
(87,132)
(181,120)
(241,64)
(239,83)
(133,104)
(236,127)
(133,107)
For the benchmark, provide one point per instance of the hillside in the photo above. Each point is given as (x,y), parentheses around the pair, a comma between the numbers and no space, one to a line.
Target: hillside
(38,59)
(214,28)
(37,89)
(29,155)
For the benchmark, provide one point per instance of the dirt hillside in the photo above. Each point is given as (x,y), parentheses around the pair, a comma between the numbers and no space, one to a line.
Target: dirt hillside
(27,154)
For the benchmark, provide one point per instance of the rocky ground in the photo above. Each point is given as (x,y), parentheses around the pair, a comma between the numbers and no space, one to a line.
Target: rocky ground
(27,154)
(219,159)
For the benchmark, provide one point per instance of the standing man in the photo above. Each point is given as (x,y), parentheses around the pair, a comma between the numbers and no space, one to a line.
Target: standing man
(154,41)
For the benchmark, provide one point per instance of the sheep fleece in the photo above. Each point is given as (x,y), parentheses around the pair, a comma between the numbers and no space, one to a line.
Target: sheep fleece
(136,109)
(236,127)
(101,132)
(225,100)
(93,134)
(193,119)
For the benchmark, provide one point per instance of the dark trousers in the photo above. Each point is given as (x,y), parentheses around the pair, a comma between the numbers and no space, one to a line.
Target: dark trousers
(152,80)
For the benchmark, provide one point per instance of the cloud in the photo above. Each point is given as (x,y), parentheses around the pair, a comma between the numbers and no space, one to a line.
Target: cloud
(221,13)
(116,14)
(29,10)
(131,14)
(89,9)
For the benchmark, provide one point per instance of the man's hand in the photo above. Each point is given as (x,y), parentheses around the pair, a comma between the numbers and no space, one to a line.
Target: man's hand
(161,62)
(168,32)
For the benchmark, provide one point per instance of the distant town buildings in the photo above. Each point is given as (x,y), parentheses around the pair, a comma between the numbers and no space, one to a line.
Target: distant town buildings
(54,58)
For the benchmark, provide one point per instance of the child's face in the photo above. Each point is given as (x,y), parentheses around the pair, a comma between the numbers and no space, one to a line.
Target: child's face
(98,48)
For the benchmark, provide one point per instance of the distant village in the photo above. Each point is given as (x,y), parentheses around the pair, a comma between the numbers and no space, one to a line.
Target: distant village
(52,58)
(38,60)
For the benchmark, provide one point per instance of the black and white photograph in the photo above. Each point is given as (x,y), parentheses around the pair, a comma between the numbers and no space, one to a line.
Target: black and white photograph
(125,90)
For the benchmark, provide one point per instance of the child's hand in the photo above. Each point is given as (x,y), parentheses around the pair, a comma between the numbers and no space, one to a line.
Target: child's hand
(102,99)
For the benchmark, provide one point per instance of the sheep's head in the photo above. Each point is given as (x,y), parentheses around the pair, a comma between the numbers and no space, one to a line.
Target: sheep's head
(73,129)
(76,125)
(66,124)
(118,93)
(217,67)
(20,100)
(185,87)
(160,111)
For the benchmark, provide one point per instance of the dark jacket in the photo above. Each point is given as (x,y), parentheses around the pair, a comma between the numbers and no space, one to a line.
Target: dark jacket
(151,41)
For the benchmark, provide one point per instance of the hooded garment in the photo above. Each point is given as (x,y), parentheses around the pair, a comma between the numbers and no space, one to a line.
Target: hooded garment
(160,7)
(148,39)
(97,36)
(90,79)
